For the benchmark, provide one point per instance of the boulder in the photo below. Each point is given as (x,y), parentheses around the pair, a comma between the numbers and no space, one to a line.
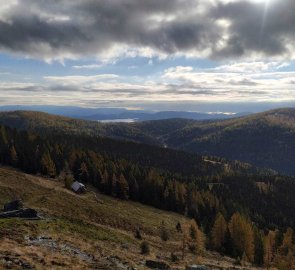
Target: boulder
(22,213)
(157,265)
(13,205)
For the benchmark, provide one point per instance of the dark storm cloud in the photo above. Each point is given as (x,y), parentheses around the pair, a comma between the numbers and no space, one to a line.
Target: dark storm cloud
(262,28)
(67,29)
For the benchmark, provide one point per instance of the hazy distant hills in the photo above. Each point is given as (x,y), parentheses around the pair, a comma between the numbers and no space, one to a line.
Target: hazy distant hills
(119,114)
(265,139)
(47,123)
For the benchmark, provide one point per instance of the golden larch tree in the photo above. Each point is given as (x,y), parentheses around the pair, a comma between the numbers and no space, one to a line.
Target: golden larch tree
(218,232)
(242,235)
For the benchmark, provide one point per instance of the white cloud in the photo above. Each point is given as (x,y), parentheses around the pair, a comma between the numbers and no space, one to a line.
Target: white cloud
(250,67)
(92,66)
(69,80)
(236,82)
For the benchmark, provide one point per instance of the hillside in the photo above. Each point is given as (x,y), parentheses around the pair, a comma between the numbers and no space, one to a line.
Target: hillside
(264,140)
(106,113)
(97,231)
(47,123)
(77,232)
(168,179)
(208,190)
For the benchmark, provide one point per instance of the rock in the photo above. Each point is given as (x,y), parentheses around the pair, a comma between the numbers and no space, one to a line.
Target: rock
(196,267)
(14,205)
(22,213)
(125,246)
(157,265)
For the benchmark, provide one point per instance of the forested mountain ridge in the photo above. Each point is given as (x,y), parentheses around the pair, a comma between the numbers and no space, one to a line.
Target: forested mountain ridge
(265,140)
(107,113)
(237,197)
(169,179)
(45,123)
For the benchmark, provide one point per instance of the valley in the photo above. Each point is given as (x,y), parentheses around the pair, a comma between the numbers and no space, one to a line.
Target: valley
(225,206)
(264,140)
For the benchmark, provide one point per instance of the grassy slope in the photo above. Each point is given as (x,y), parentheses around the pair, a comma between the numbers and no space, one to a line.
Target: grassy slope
(80,232)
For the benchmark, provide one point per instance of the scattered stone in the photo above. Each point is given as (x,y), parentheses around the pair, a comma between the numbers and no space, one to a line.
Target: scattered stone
(157,265)
(22,213)
(196,267)
(13,205)
(13,261)
(15,209)
(125,246)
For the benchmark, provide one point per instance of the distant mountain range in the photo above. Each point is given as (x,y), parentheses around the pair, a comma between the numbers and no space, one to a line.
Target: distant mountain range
(120,114)
(264,139)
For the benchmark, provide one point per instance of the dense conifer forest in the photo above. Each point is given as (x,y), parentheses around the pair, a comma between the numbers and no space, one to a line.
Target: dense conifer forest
(265,140)
(239,208)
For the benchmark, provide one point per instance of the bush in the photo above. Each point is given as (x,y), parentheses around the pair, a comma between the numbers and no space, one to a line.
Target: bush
(178,227)
(163,232)
(138,234)
(68,182)
(192,248)
(173,257)
(145,247)
(238,261)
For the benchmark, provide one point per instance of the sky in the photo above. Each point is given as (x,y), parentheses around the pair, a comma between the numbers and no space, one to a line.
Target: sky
(197,55)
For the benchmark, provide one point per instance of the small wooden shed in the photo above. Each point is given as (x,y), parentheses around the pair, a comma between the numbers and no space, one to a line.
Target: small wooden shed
(78,187)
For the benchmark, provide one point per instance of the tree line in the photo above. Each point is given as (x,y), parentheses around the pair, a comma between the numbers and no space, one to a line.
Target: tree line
(228,203)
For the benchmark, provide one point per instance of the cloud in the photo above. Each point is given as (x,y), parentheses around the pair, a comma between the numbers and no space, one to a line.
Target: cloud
(61,29)
(92,66)
(70,80)
(257,81)
(242,82)
(263,28)
(251,67)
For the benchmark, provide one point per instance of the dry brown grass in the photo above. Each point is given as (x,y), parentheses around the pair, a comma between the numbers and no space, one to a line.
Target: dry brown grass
(82,233)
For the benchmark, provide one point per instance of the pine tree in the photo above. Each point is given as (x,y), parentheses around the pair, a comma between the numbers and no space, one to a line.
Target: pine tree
(13,157)
(269,243)
(122,188)
(259,246)
(197,236)
(47,165)
(287,243)
(83,172)
(3,144)
(185,238)
(104,181)
(3,135)
(242,235)
(218,233)
(228,244)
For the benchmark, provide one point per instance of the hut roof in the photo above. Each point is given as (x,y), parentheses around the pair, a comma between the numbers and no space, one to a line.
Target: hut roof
(77,185)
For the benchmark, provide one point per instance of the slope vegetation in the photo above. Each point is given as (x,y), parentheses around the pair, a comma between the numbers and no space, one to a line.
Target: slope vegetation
(264,139)
(77,232)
